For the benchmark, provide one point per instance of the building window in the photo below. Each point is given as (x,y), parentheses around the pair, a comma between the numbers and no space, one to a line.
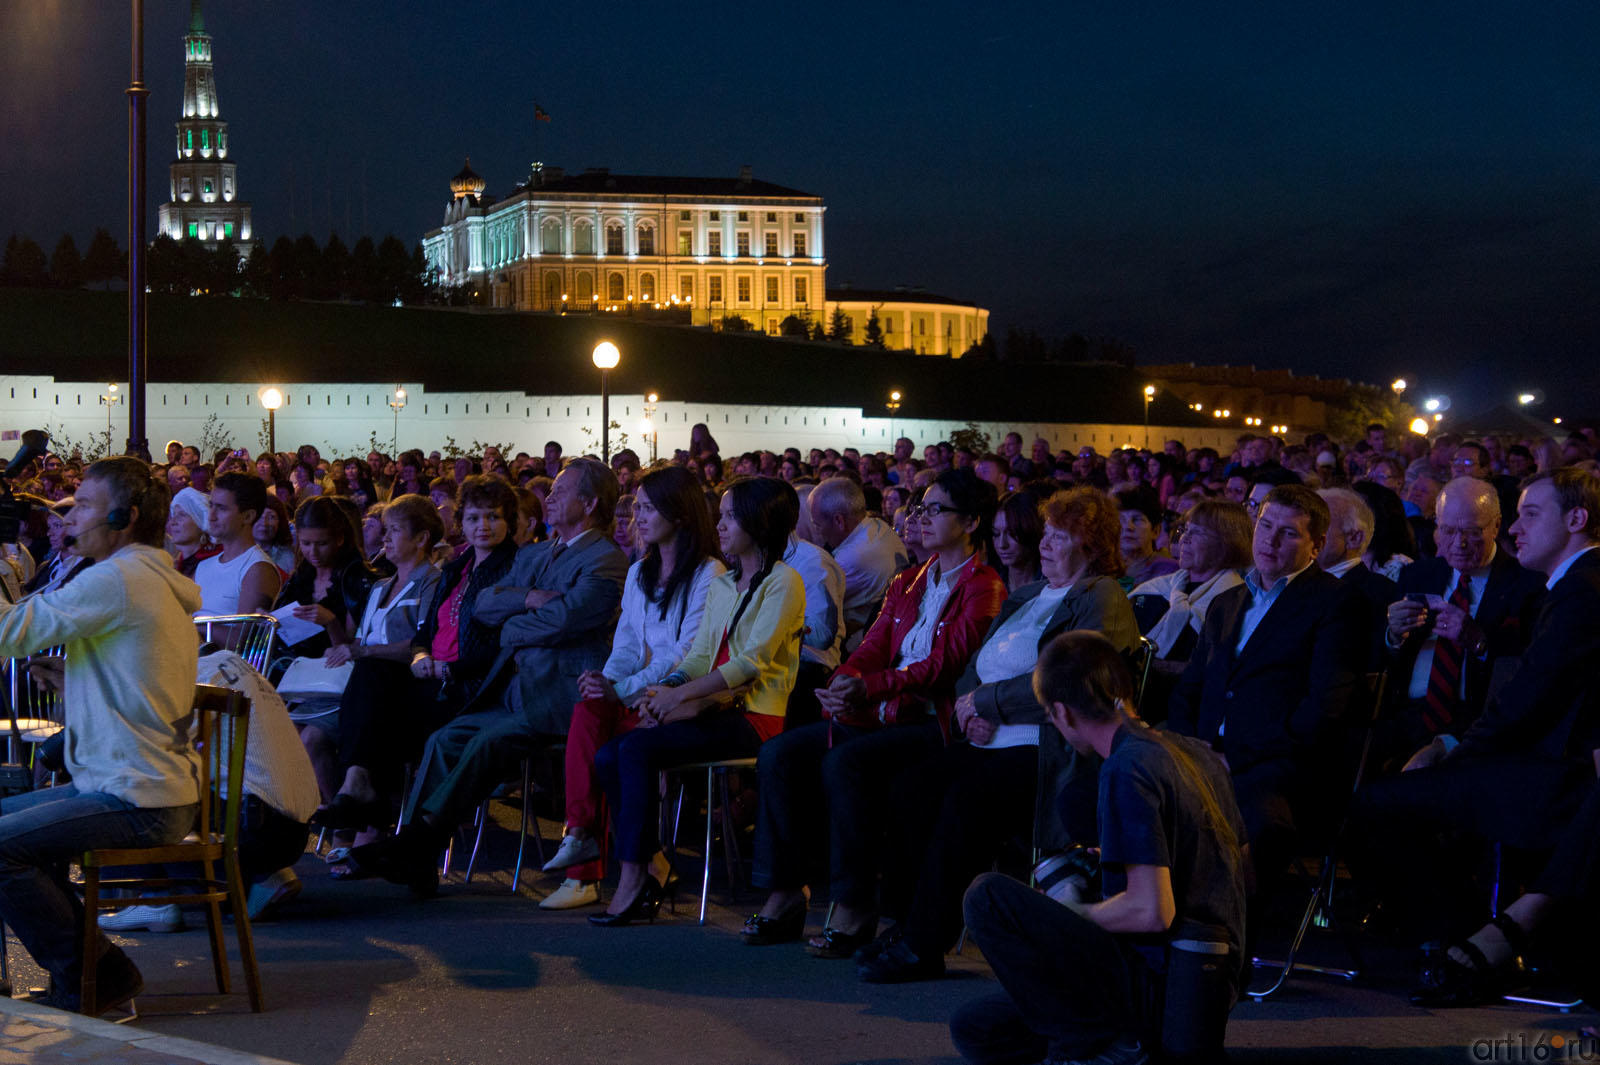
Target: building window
(772,289)
(552,289)
(686,287)
(647,287)
(772,216)
(683,216)
(550,236)
(583,239)
(616,288)
(647,240)
(685,242)
(205,140)
(744,216)
(743,240)
(715,243)
(744,288)
(772,244)
(800,290)
(207,186)
(772,327)
(585,289)
(194,229)
(188,140)
(613,239)
(716,216)
(714,288)
(227,230)
(799,216)
(799,244)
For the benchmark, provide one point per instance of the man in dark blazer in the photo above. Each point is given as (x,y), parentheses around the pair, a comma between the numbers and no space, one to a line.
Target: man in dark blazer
(1519,772)
(1434,698)
(1350,527)
(1275,672)
(556,615)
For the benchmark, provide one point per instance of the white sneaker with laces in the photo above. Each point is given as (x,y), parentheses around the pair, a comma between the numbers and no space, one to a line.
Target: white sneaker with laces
(571,895)
(144,919)
(574,850)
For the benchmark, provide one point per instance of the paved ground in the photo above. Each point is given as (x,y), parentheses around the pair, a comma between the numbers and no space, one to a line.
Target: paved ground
(358,973)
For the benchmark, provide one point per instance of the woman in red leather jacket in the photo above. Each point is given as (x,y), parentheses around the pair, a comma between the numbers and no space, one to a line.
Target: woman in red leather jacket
(887,707)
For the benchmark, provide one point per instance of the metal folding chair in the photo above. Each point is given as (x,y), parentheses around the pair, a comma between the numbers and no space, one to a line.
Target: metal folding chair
(716,789)
(247,635)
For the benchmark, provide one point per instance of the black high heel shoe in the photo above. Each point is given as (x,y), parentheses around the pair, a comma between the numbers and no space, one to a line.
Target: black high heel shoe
(762,931)
(643,908)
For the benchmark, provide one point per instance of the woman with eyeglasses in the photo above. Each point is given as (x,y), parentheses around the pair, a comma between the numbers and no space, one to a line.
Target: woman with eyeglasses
(953,813)
(887,707)
(1213,546)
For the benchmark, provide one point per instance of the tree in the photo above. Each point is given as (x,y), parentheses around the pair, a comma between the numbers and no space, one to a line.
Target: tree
(818,331)
(421,279)
(733,323)
(164,266)
(282,279)
(983,350)
(874,332)
(393,269)
(102,263)
(307,266)
(971,438)
(24,263)
(221,272)
(66,265)
(839,327)
(333,275)
(364,270)
(795,326)
(255,278)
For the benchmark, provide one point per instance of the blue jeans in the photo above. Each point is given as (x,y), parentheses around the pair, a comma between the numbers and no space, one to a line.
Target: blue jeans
(40,832)
(627,768)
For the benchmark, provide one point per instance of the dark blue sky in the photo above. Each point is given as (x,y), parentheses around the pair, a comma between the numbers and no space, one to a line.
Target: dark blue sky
(1364,189)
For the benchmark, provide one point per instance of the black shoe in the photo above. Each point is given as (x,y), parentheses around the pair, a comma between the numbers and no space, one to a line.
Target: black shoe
(877,946)
(643,908)
(836,944)
(347,813)
(117,982)
(762,931)
(1448,984)
(899,964)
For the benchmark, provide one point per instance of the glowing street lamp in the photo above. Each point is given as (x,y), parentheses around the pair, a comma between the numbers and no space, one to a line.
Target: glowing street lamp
(397,403)
(892,406)
(1399,385)
(271,400)
(1149,394)
(1420,426)
(606,357)
(1526,398)
(111,398)
(648,426)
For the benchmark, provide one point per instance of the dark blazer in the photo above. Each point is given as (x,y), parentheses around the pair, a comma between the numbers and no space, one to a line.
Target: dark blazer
(1283,695)
(544,651)
(1551,704)
(1510,606)
(479,642)
(1377,592)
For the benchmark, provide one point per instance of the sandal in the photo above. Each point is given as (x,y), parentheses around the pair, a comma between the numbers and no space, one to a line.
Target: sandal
(1449,984)
(347,812)
(762,931)
(837,944)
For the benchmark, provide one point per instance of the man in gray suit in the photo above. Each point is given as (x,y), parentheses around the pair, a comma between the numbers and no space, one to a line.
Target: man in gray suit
(556,617)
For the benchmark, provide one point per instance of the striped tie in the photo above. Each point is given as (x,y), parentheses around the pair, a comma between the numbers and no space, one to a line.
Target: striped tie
(1444,679)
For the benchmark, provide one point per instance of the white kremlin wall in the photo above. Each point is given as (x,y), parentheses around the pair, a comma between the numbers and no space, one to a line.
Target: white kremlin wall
(343,419)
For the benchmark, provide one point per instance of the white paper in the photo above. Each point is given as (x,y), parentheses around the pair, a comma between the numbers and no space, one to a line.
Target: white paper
(291,630)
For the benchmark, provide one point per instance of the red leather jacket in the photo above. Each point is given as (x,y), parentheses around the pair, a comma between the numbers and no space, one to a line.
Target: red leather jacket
(973,604)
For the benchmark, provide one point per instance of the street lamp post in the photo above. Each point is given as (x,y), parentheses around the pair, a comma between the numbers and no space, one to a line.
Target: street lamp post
(110,399)
(893,405)
(137,95)
(1149,394)
(651,433)
(397,403)
(606,357)
(271,399)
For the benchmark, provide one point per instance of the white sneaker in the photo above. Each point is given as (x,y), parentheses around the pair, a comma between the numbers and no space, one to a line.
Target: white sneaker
(143,919)
(571,894)
(574,850)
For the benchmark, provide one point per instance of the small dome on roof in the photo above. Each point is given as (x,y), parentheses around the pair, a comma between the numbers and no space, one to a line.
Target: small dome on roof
(467,183)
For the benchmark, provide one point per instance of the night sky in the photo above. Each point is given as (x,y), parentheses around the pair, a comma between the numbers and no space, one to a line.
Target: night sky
(1364,189)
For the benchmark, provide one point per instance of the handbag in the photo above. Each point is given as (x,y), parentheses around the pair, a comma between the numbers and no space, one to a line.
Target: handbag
(308,677)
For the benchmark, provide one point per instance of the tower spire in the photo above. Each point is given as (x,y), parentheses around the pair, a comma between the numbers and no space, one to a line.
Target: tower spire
(196,22)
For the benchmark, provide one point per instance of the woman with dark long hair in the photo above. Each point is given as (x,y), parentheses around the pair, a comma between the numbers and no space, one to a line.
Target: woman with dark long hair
(727,696)
(662,604)
(1017,529)
(331,583)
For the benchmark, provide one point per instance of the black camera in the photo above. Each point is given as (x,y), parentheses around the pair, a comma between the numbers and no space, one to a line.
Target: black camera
(13,511)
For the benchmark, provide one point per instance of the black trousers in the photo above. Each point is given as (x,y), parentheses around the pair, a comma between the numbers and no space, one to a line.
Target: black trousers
(953,814)
(1071,987)
(792,823)
(385,717)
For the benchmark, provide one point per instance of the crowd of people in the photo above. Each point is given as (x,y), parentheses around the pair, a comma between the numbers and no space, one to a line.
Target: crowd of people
(1150,672)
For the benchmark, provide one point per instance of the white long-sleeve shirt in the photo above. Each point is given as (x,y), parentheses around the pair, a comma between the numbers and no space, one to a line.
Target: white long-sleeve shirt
(647,646)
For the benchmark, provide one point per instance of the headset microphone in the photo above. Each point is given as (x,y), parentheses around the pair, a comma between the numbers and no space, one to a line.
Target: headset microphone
(117,519)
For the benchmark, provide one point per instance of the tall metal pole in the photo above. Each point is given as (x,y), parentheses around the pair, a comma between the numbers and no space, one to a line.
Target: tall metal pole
(137,316)
(605,416)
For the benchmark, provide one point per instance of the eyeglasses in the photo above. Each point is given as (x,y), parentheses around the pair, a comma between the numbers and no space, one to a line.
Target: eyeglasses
(1470,533)
(931,510)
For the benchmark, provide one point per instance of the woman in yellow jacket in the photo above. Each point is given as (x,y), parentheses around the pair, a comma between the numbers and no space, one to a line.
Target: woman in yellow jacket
(726,697)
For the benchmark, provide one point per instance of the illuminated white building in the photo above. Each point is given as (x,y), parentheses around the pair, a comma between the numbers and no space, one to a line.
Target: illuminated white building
(205,201)
(598,241)
(911,320)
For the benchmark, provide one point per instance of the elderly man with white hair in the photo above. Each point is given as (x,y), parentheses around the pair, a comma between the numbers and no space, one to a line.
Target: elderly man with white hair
(865,547)
(1349,535)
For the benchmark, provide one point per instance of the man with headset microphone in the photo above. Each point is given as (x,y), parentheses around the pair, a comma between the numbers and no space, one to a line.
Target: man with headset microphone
(128,684)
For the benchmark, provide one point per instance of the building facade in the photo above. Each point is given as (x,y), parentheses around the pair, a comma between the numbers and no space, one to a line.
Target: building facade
(205,202)
(910,320)
(705,248)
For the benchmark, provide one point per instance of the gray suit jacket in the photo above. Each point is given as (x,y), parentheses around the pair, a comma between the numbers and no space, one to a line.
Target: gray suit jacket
(542,652)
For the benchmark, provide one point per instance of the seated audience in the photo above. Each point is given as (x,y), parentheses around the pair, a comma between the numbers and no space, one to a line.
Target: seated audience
(727,696)
(1017,529)
(1141,520)
(273,534)
(1213,546)
(186,531)
(330,585)
(865,547)
(1350,529)
(241,578)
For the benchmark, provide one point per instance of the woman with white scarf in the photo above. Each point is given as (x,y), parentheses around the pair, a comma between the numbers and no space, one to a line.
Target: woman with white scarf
(1214,546)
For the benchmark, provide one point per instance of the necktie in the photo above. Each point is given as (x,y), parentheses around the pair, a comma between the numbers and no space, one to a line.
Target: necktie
(1443,696)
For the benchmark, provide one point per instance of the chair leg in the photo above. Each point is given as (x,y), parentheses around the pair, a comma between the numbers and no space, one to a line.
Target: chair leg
(1299,936)
(732,860)
(477,840)
(241,928)
(522,837)
(91,941)
(219,945)
(705,875)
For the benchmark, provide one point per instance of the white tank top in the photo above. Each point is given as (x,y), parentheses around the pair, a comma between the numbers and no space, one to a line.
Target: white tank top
(219,581)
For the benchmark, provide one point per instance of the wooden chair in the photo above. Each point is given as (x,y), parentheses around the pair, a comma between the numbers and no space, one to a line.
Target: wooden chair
(222,725)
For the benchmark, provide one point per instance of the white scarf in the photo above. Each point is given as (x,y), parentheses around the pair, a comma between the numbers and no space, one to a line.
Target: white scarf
(1184,609)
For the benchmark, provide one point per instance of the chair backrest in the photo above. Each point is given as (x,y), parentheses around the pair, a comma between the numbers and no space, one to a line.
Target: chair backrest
(1376,683)
(35,713)
(221,733)
(1143,653)
(247,635)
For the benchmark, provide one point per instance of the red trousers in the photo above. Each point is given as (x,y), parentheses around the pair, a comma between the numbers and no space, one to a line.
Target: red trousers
(595,722)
